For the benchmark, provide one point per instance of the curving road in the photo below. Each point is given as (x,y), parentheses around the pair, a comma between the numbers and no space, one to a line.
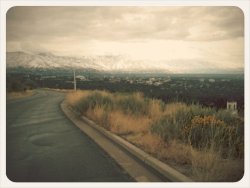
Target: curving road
(44,146)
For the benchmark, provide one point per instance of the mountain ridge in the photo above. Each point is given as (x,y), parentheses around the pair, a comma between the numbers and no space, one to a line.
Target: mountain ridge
(105,63)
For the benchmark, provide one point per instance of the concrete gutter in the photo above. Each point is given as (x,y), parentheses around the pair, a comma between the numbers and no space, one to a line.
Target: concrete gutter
(160,167)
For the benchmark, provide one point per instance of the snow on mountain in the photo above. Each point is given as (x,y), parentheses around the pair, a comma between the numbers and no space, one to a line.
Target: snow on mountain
(100,63)
(40,60)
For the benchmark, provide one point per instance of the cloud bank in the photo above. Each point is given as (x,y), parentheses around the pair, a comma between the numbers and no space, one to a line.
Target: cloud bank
(179,36)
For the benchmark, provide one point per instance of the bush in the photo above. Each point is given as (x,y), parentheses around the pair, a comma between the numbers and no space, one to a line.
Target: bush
(82,105)
(170,126)
(133,104)
(15,86)
(97,99)
(203,131)
(91,101)
(209,132)
(229,118)
(167,128)
(203,128)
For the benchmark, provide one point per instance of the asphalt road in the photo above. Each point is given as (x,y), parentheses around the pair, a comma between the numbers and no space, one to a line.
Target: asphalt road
(44,146)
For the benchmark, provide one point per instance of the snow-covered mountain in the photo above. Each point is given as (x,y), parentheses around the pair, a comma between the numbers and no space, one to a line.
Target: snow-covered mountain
(46,60)
(99,63)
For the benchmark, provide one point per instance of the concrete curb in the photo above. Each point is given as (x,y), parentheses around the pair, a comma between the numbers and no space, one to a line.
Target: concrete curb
(162,168)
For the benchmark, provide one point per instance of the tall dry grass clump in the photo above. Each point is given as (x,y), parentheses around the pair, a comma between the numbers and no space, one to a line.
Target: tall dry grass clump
(123,124)
(75,97)
(206,144)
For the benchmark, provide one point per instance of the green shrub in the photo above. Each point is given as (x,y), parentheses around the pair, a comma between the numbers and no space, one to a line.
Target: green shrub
(203,128)
(198,110)
(82,105)
(97,99)
(165,128)
(203,131)
(229,118)
(170,126)
(206,132)
(132,105)
(91,101)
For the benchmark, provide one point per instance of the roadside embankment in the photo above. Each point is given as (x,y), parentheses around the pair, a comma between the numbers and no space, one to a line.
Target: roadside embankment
(202,143)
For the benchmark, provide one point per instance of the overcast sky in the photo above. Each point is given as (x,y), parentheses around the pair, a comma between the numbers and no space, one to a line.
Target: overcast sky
(178,38)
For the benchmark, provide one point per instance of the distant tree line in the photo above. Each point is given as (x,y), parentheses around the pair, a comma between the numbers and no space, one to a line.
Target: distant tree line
(18,83)
(216,95)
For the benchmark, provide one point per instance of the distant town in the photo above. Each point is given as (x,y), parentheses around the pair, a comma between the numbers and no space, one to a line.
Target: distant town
(212,90)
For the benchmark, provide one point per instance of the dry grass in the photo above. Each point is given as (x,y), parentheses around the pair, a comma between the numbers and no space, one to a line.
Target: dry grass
(133,118)
(118,122)
(208,166)
(202,166)
(172,108)
(17,95)
(177,153)
(156,109)
(148,142)
(74,97)
(121,123)
(96,114)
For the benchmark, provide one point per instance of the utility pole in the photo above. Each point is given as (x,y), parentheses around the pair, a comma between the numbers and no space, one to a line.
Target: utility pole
(74,80)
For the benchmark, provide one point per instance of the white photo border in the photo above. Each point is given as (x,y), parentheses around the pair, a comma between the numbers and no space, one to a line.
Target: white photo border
(5,5)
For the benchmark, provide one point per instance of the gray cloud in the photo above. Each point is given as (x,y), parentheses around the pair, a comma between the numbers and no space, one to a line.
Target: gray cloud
(124,23)
(206,38)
